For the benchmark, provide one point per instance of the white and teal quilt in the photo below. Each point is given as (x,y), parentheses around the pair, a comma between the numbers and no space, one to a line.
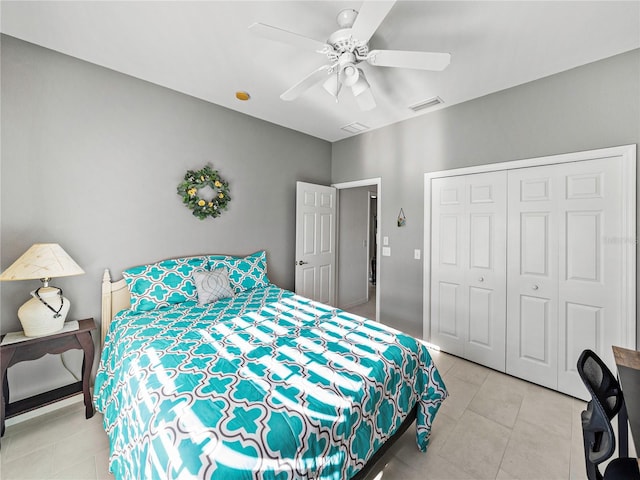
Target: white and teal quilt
(264,385)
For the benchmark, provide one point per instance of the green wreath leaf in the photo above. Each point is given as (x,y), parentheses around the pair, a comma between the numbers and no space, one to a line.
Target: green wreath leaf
(194,180)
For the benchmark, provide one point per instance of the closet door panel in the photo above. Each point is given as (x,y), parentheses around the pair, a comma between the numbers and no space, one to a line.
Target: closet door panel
(532,295)
(486,269)
(589,213)
(448,259)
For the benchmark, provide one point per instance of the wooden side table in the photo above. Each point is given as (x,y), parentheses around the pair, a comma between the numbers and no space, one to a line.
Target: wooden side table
(37,347)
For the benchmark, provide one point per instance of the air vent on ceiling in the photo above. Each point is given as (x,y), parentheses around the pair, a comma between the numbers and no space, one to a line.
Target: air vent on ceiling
(431,102)
(355,127)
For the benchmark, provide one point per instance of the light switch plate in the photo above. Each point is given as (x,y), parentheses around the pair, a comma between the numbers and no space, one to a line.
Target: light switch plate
(386,251)
(385,240)
(416,254)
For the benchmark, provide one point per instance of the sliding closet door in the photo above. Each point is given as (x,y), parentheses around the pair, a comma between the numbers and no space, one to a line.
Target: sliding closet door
(565,278)
(468,266)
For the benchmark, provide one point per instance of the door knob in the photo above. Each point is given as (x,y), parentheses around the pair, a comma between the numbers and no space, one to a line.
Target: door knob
(481,279)
(535,287)
(301,262)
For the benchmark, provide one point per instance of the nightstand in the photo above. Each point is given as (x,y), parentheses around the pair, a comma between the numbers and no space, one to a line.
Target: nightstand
(37,347)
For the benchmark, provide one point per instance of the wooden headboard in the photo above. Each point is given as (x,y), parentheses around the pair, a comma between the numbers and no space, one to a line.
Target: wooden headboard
(115,297)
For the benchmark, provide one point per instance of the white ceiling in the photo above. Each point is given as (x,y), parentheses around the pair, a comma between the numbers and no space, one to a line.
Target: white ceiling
(205,49)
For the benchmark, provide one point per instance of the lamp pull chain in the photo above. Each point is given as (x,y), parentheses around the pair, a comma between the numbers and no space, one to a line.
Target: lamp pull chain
(56,313)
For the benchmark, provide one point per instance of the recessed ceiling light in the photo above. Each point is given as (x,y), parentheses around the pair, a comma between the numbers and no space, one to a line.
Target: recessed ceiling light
(244,96)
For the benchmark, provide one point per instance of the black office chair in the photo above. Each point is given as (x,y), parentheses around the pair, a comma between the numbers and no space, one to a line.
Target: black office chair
(601,383)
(599,439)
(599,445)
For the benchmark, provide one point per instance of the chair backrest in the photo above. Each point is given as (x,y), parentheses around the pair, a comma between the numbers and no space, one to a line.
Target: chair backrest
(600,382)
(598,436)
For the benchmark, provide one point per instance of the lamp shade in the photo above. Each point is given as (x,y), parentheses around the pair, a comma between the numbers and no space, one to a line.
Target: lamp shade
(42,260)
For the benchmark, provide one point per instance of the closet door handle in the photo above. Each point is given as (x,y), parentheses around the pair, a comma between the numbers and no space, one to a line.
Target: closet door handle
(301,262)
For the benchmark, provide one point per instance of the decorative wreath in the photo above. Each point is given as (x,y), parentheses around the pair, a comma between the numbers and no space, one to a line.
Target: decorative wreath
(194,181)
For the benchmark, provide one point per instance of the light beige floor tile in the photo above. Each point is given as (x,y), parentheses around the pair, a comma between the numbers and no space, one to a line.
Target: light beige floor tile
(502,475)
(45,432)
(535,453)
(548,409)
(37,464)
(102,465)
(476,445)
(577,468)
(442,427)
(499,399)
(53,415)
(86,443)
(406,452)
(460,395)
(443,361)
(394,469)
(84,470)
(469,372)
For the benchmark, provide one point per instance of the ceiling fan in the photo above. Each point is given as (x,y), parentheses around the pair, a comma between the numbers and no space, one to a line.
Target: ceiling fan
(346,48)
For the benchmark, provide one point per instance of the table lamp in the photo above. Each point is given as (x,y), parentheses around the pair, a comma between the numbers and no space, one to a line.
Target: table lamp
(46,312)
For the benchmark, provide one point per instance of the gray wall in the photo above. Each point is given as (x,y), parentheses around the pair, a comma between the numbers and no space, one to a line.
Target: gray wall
(594,106)
(91,159)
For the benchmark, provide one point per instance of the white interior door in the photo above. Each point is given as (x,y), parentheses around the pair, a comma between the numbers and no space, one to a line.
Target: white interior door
(315,242)
(468,286)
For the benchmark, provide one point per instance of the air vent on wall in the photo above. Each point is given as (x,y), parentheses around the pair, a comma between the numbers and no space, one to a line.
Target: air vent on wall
(431,102)
(355,127)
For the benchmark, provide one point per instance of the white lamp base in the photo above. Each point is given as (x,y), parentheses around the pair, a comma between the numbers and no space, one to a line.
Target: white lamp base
(38,320)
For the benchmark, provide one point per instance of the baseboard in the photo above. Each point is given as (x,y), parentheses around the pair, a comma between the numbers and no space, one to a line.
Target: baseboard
(23,417)
(353,304)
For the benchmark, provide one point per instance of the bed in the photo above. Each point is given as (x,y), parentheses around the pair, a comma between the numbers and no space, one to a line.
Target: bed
(258,383)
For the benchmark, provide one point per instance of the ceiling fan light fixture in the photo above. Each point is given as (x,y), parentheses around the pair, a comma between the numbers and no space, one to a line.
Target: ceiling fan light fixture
(366,101)
(349,74)
(332,85)
(346,18)
(360,85)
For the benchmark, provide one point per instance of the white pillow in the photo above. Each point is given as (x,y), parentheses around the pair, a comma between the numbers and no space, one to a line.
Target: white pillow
(212,285)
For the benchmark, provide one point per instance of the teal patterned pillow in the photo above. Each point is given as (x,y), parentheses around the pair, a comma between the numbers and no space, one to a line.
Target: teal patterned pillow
(244,272)
(164,283)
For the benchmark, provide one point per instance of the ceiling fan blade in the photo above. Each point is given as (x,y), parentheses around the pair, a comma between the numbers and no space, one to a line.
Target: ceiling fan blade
(306,83)
(404,59)
(280,35)
(370,16)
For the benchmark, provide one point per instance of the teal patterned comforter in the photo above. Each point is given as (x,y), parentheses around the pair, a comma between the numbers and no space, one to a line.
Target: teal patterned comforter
(266,385)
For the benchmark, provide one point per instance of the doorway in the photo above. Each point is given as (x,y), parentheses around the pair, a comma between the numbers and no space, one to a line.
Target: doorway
(358,256)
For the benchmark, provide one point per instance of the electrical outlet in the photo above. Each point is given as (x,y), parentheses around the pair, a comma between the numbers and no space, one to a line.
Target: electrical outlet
(386,251)
(416,254)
